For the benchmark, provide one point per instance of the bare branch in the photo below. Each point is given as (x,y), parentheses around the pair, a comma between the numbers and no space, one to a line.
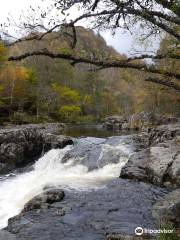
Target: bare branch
(166,83)
(101,63)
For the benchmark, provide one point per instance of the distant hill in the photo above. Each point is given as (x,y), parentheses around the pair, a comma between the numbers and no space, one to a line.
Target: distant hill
(101,93)
(83,78)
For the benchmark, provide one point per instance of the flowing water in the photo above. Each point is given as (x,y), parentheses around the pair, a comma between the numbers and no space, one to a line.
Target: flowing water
(89,164)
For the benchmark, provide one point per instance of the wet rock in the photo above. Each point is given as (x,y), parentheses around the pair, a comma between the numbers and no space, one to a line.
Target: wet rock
(119,208)
(44,200)
(96,152)
(167,210)
(51,141)
(39,203)
(20,145)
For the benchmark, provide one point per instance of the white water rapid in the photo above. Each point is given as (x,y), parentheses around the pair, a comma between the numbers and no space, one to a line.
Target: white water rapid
(49,170)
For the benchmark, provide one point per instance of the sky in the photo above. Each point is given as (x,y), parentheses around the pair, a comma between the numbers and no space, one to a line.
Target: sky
(122,41)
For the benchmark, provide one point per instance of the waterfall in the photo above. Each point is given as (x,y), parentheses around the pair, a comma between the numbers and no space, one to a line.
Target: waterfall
(49,170)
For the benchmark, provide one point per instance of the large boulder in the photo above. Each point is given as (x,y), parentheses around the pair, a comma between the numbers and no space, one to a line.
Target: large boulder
(160,162)
(20,145)
(167,210)
(159,165)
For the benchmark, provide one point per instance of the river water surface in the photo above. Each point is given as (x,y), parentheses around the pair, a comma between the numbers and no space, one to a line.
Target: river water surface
(92,164)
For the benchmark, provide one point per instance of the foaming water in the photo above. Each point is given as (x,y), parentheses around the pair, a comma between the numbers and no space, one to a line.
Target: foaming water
(49,170)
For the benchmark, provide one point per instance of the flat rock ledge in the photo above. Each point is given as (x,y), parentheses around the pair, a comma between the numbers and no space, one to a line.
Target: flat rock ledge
(20,145)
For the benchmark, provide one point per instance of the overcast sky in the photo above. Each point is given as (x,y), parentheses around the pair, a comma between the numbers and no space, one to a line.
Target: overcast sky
(122,42)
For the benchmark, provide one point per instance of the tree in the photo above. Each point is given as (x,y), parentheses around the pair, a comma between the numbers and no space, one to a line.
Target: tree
(111,14)
(2,53)
(68,102)
(16,86)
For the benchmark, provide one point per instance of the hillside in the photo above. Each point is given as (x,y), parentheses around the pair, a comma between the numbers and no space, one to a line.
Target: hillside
(54,90)
(91,85)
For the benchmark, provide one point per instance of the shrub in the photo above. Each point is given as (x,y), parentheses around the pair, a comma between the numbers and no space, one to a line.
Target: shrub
(69,113)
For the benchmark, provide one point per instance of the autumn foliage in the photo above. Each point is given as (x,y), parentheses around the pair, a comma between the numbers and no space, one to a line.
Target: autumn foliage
(41,89)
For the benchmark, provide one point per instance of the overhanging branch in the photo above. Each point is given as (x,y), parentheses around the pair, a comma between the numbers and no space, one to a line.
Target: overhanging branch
(166,83)
(100,63)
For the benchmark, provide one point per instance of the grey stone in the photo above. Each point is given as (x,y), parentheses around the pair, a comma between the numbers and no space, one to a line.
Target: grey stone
(167,210)
(119,208)
(141,120)
(158,164)
(4,235)
(44,200)
(20,145)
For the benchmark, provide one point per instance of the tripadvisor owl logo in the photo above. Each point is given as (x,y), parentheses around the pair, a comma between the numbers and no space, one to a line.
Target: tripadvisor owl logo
(139,231)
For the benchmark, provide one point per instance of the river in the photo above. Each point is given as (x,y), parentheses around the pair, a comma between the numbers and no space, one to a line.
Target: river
(89,173)
(93,130)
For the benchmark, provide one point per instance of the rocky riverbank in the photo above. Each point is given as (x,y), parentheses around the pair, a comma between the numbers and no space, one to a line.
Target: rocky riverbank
(147,193)
(137,121)
(159,162)
(20,145)
(95,215)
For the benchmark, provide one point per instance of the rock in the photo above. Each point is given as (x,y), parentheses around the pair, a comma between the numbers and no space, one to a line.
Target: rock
(158,164)
(135,168)
(144,119)
(137,121)
(41,202)
(20,145)
(118,208)
(95,153)
(55,141)
(163,133)
(44,200)
(114,122)
(127,237)
(167,210)
(4,235)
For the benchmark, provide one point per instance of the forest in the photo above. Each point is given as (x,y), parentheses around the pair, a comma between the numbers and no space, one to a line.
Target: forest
(41,89)
(72,75)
